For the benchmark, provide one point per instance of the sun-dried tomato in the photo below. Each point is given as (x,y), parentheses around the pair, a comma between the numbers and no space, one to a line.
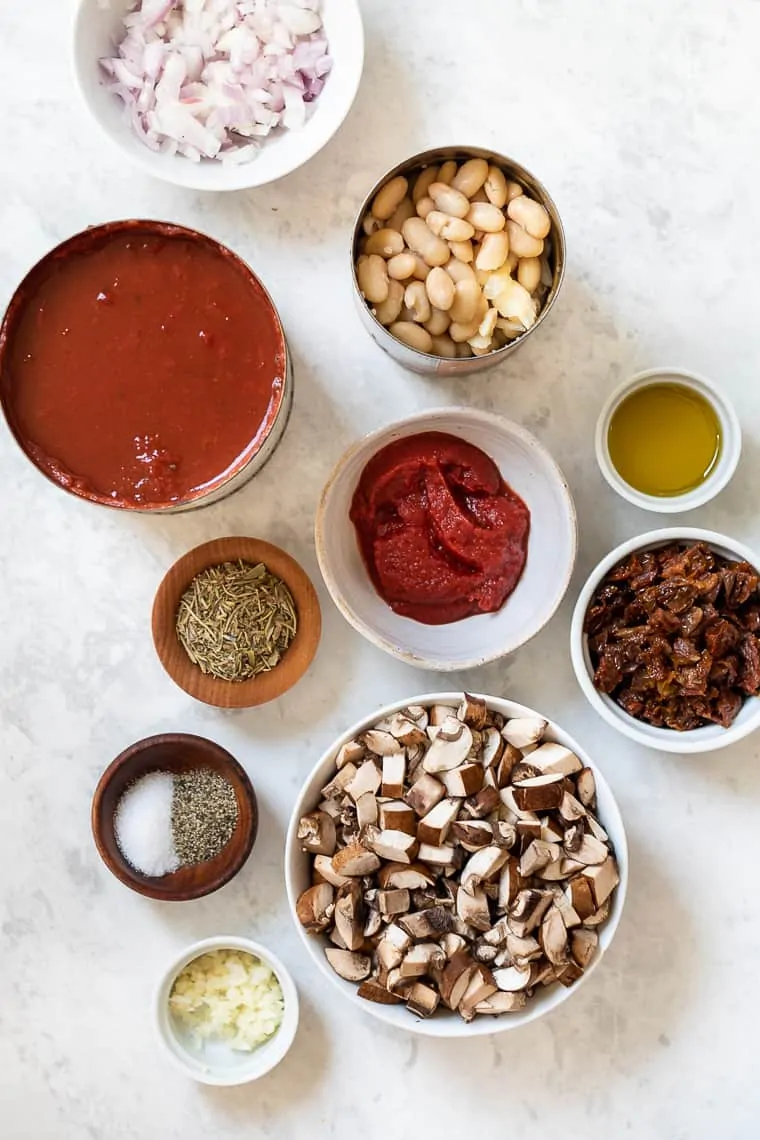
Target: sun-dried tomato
(672,636)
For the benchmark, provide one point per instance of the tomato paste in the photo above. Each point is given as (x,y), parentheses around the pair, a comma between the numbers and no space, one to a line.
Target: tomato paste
(442,535)
(141,364)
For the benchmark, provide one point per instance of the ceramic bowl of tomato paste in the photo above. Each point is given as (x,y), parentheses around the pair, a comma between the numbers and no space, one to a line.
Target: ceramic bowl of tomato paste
(447,539)
(143,366)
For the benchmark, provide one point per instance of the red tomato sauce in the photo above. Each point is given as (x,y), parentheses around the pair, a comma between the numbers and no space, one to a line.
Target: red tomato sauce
(442,535)
(141,364)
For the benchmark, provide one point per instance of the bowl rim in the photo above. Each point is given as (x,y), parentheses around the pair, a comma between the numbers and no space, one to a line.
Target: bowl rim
(435,1027)
(185,176)
(85,242)
(257,690)
(662,739)
(201,890)
(522,174)
(444,413)
(285,1035)
(717,480)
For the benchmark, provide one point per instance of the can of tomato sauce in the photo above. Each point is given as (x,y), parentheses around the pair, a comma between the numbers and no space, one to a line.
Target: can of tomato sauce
(143,366)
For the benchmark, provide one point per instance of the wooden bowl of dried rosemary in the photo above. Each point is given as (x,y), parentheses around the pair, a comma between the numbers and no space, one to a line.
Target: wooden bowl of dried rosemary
(174,817)
(236,622)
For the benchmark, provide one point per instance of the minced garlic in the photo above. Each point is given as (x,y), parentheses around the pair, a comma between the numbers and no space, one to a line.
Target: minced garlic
(228,995)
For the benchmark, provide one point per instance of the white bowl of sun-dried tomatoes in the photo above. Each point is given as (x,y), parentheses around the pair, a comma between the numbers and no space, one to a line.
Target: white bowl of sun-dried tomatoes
(665,639)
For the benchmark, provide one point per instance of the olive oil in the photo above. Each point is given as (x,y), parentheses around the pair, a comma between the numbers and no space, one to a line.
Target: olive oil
(664,439)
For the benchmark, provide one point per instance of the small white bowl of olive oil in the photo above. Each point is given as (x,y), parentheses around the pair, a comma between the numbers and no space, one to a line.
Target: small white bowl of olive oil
(668,440)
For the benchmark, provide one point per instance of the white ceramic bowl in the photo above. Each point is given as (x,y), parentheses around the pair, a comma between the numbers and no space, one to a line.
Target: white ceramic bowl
(445,1023)
(97,28)
(529,469)
(217,1064)
(722,472)
(707,739)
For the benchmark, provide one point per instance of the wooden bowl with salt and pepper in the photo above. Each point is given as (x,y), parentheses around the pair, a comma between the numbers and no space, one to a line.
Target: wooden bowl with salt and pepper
(264,686)
(177,754)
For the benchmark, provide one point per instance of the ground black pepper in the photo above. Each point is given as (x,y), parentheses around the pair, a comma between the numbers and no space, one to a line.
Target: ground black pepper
(204,815)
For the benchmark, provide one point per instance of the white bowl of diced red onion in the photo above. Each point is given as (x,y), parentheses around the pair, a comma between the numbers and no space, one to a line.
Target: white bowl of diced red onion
(219,94)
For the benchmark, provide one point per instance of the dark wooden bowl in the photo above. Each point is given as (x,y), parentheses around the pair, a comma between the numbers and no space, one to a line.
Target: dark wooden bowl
(267,686)
(174,752)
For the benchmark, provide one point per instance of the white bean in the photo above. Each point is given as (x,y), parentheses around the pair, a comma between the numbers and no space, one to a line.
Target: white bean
(514,190)
(479,196)
(373,278)
(464,350)
(422,240)
(402,266)
(493,251)
(484,216)
(449,200)
(422,269)
(447,172)
(440,289)
(521,242)
(424,181)
(413,335)
(444,346)
(388,311)
(460,271)
(530,215)
(470,176)
(480,344)
(462,250)
(417,302)
(450,229)
(386,242)
(425,206)
(512,262)
(488,324)
(404,210)
(496,187)
(439,321)
(529,273)
(459,330)
(467,297)
(371,224)
(389,197)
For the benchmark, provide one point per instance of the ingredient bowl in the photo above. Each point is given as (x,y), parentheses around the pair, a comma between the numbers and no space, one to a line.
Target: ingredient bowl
(724,466)
(530,471)
(98,29)
(174,753)
(708,738)
(541,273)
(298,864)
(154,401)
(217,1063)
(265,686)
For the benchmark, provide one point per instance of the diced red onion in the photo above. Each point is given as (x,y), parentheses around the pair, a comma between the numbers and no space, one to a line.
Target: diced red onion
(213,78)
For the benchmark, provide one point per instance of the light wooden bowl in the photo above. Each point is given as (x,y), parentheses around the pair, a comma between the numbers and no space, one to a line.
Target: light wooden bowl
(174,752)
(266,686)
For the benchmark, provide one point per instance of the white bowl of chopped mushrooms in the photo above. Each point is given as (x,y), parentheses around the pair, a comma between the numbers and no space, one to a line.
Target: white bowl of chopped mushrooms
(456,865)
(219,94)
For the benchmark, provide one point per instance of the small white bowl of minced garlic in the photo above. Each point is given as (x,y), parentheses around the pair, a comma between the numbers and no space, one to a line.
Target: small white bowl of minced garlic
(226,1011)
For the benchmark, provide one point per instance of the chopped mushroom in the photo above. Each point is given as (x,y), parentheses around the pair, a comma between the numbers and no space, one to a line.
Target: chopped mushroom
(450,748)
(425,793)
(524,731)
(422,1000)
(453,852)
(394,773)
(355,860)
(317,834)
(349,965)
(349,916)
(315,908)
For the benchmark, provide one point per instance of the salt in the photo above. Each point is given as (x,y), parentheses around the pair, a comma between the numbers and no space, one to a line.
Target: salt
(143,825)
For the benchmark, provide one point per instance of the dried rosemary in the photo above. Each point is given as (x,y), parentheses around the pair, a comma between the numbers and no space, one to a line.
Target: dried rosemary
(236,620)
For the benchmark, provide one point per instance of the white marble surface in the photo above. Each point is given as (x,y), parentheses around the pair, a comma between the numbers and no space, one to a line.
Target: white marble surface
(640,119)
